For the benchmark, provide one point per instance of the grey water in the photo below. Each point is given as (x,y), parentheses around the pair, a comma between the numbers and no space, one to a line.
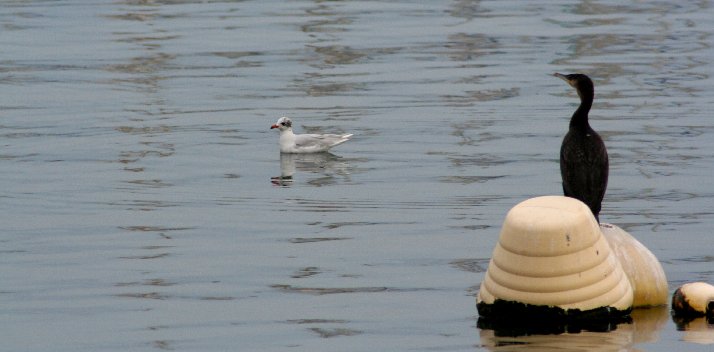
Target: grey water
(142,206)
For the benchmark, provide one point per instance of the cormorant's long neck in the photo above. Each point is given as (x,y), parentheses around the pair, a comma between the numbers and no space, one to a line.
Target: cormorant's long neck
(580,116)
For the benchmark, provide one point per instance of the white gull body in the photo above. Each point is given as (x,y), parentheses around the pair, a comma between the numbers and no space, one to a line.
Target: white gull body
(305,143)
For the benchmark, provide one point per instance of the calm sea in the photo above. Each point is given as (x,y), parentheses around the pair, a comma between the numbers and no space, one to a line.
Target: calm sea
(139,212)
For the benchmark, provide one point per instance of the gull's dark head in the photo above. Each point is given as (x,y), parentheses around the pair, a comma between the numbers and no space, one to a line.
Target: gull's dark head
(283,124)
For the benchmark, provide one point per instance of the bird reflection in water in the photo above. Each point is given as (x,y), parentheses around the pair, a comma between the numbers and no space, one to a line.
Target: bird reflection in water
(287,170)
(327,165)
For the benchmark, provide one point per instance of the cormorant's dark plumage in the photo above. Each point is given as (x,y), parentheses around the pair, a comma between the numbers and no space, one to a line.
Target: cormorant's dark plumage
(583,156)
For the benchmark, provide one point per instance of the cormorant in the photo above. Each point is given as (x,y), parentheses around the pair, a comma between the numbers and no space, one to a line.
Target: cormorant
(583,156)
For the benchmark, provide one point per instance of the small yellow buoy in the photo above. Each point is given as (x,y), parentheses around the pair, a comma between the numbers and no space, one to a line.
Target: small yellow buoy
(694,299)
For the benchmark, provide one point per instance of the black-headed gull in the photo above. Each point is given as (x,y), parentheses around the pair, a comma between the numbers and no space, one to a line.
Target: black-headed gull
(305,143)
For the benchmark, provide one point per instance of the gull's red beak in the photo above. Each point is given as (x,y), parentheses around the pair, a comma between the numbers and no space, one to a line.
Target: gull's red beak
(274,126)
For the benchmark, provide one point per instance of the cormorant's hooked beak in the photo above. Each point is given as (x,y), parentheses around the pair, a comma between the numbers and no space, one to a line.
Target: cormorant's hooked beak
(564,78)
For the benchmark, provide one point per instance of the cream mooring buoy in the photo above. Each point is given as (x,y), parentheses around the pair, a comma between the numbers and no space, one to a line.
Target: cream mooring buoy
(551,258)
(646,275)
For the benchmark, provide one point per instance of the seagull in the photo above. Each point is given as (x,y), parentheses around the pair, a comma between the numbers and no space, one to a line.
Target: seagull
(305,143)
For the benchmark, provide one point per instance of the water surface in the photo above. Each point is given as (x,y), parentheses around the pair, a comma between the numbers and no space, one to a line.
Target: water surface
(139,206)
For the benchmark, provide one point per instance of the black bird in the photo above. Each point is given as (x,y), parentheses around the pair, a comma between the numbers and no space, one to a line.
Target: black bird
(583,157)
